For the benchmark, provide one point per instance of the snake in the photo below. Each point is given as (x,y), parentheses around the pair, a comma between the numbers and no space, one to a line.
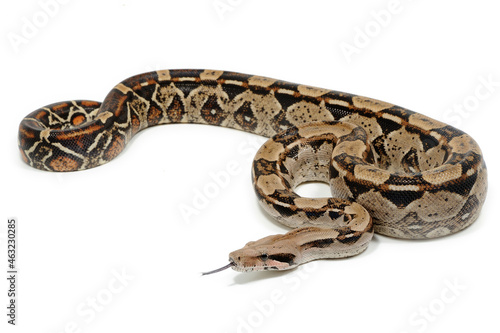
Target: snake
(391,171)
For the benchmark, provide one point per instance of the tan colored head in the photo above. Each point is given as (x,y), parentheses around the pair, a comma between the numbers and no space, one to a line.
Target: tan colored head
(263,258)
(270,253)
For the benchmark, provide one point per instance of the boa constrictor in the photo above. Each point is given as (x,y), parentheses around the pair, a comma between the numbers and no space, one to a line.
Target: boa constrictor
(391,170)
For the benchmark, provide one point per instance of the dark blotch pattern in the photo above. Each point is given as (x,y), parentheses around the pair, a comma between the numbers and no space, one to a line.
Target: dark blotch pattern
(283,257)
(320,243)
(211,111)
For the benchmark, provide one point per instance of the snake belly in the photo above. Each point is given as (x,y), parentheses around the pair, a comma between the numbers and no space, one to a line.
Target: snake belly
(416,177)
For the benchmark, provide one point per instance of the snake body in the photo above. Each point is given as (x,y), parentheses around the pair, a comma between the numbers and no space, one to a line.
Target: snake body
(391,170)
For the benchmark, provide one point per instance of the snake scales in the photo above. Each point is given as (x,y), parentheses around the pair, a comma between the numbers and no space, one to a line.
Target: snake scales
(391,170)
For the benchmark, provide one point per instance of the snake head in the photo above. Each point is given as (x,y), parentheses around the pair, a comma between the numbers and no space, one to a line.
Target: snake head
(275,252)
(269,253)
(254,261)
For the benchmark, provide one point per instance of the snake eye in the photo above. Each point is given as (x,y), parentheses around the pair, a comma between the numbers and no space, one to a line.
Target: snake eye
(263,256)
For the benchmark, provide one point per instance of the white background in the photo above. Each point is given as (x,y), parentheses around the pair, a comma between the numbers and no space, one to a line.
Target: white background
(78,231)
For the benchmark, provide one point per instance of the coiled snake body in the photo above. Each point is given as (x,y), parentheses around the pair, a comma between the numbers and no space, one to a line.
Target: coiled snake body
(391,170)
